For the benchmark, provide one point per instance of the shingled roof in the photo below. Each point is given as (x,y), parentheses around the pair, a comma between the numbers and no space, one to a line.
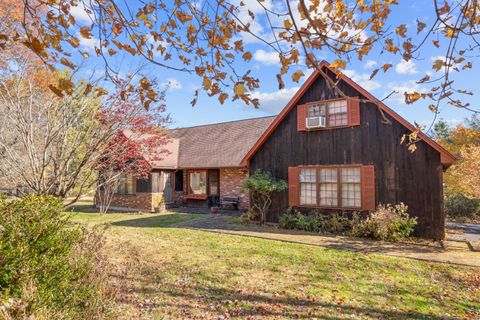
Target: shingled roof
(217,145)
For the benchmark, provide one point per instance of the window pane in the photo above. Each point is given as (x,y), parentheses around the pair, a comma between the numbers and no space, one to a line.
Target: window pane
(197,182)
(328,194)
(328,175)
(337,113)
(340,119)
(350,175)
(128,184)
(121,183)
(316,110)
(339,106)
(308,193)
(351,195)
(308,175)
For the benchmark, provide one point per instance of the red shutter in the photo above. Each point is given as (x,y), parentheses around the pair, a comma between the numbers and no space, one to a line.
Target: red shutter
(354,112)
(368,188)
(293,186)
(301,117)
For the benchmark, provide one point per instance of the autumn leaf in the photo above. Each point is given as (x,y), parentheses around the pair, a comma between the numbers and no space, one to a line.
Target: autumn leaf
(373,74)
(450,33)
(424,79)
(412,97)
(247,56)
(67,63)
(287,24)
(222,97)
(386,66)
(85,32)
(88,89)
(55,90)
(412,147)
(437,64)
(297,75)
(401,30)
(420,26)
(338,64)
(239,89)
(281,84)
(74,42)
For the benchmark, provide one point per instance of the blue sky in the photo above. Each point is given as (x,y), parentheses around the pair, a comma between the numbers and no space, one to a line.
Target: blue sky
(265,66)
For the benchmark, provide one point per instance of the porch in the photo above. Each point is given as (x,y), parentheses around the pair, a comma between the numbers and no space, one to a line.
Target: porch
(201,210)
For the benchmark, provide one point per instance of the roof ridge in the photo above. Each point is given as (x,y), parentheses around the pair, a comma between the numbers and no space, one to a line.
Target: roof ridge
(218,123)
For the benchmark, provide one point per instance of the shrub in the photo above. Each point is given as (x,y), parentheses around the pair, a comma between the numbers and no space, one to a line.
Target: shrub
(315,222)
(390,223)
(460,208)
(49,267)
(262,186)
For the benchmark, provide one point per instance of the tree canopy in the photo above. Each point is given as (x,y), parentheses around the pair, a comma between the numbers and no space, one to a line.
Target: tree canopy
(205,39)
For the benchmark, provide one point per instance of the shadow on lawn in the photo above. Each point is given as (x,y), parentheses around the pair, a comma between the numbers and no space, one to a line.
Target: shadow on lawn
(158,221)
(239,304)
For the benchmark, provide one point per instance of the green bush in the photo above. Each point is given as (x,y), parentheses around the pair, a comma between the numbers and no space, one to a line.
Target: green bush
(315,222)
(261,185)
(389,223)
(462,209)
(49,267)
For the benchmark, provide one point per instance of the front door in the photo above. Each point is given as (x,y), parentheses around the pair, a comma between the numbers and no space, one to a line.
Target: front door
(213,187)
(166,183)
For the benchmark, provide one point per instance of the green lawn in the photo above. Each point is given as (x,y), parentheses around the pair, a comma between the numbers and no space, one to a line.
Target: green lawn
(160,271)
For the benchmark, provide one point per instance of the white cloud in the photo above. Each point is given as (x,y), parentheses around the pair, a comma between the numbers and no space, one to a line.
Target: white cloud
(401,88)
(370,64)
(90,44)
(172,84)
(406,67)
(81,13)
(268,58)
(274,102)
(363,79)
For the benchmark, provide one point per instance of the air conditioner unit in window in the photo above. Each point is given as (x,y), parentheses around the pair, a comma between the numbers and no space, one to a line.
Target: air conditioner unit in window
(316,122)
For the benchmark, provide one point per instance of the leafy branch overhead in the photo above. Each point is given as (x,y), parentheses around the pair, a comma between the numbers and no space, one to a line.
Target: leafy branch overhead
(206,39)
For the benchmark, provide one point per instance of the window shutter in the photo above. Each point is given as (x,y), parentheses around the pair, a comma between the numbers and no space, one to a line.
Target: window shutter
(301,117)
(368,188)
(354,112)
(293,186)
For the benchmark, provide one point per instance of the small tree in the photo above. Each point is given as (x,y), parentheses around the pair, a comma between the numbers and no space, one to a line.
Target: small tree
(261,186)
(121,155)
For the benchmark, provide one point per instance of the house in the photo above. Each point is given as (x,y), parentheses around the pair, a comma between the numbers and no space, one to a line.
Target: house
(339,150)
(354,159)
(203,165)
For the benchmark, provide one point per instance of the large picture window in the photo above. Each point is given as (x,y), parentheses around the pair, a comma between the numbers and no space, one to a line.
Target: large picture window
(197,182)
(336,112)
(335,187)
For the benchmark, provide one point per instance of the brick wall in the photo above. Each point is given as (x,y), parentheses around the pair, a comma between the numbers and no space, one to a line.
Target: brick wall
(141,201)
(231,181)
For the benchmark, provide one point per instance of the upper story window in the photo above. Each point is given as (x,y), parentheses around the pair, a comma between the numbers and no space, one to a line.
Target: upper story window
(337,113)
(339,187)
(328,114)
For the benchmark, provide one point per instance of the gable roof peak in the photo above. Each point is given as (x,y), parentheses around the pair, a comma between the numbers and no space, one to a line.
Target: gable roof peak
(447,158)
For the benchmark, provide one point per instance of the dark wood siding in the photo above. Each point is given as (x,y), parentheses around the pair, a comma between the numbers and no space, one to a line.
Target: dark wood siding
(145,185)
(412,178)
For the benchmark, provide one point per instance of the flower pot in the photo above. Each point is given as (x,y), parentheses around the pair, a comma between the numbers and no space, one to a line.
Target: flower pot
(213,210)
